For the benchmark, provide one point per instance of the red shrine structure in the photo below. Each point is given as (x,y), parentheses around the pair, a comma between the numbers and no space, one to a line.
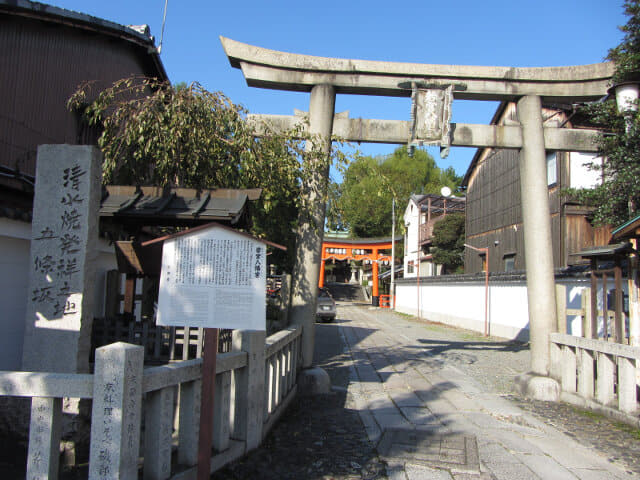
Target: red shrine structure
(369,250)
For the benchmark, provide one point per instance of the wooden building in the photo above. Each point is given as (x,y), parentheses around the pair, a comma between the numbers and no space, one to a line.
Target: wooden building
(494,214)
(45,54)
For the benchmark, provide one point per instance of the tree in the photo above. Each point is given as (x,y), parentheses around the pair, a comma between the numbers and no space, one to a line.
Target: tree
(448,243)
(157,134)
(617,199)
(362,202)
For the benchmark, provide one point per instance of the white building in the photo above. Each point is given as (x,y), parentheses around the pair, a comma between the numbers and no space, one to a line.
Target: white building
(421,214)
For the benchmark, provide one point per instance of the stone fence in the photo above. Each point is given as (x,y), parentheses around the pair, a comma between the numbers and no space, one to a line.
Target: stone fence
(153,413)
(597,374)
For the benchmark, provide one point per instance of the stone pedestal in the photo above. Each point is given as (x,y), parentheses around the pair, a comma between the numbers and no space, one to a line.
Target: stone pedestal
(538,387)
(313,381)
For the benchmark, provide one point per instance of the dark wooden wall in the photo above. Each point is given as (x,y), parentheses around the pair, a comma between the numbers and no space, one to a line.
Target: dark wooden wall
(494,215)
(41,65)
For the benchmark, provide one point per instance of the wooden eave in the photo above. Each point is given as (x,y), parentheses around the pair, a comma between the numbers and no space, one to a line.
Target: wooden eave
(178,207)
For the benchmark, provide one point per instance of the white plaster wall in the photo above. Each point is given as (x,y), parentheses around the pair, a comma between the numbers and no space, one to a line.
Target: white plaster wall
(580,174)
(14,280)
(105,261)
(574,301)
(463,305)
(14,283)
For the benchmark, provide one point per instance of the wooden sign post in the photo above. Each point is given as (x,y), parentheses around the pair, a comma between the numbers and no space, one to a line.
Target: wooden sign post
(212,277)
(207,402)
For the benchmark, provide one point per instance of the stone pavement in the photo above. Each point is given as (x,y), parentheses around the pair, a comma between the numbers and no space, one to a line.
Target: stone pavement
(441,394)
(432,420)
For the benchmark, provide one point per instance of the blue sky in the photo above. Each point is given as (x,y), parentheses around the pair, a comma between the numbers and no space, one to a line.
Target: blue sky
(465,32)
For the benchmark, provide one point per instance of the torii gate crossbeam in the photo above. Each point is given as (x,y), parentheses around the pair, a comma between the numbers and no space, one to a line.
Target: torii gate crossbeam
(529,87)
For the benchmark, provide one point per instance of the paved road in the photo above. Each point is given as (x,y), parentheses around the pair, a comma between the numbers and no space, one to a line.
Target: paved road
(435,414)
(440,395)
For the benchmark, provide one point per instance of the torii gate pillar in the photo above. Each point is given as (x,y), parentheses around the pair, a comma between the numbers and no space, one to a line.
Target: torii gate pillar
(311,222)
(541,294)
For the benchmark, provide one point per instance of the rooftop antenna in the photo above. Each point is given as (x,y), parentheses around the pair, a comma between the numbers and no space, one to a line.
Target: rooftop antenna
(164,19)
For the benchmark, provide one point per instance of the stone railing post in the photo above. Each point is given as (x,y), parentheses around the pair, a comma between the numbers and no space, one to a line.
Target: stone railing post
(115,416)
(249,388)
(221,420)
(44,438)
(189,422)
(157,434)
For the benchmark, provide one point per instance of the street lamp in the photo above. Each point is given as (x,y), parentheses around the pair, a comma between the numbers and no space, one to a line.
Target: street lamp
(485,250)
(626,99)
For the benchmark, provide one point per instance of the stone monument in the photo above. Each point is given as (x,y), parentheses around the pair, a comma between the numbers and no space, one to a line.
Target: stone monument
(63,245)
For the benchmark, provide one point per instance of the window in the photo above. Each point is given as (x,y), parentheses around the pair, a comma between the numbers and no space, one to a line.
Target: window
(552,170)
(483,256)
(410,266)
(509,262)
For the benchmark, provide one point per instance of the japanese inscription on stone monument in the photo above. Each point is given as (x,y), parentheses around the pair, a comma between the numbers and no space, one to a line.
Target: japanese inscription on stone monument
(64,247)
(213,278)
(56,259)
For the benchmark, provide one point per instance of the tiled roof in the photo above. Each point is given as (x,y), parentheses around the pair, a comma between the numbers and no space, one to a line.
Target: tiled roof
(174,207)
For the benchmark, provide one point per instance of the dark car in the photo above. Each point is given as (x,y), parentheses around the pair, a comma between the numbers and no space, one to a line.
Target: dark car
(326,310)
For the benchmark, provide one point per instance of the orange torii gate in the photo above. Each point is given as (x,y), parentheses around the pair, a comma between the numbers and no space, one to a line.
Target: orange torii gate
(367,249)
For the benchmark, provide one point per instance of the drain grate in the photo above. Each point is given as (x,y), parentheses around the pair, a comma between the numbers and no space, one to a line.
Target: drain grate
(457,453)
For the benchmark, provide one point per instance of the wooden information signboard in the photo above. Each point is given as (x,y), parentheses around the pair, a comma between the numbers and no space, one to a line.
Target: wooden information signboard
(212,277)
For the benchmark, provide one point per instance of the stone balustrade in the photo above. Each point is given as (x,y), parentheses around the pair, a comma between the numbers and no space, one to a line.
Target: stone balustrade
(123,391)
(596,374)
(281,365)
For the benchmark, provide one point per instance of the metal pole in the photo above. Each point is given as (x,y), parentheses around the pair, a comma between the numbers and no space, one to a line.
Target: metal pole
(486,296)
(393,253)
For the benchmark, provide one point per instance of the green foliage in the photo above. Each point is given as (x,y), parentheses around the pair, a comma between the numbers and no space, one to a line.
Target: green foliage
(617,199)
(185,136)
(448,243)
(626,56)
(362,203)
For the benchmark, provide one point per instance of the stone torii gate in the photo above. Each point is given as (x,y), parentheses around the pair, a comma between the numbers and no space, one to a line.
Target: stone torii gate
(431,86)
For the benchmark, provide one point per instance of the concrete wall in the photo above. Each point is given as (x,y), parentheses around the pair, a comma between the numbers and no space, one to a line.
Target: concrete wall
(462,303)
(14,279)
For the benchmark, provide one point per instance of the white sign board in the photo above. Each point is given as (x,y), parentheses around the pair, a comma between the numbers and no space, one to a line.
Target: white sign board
(213,278)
